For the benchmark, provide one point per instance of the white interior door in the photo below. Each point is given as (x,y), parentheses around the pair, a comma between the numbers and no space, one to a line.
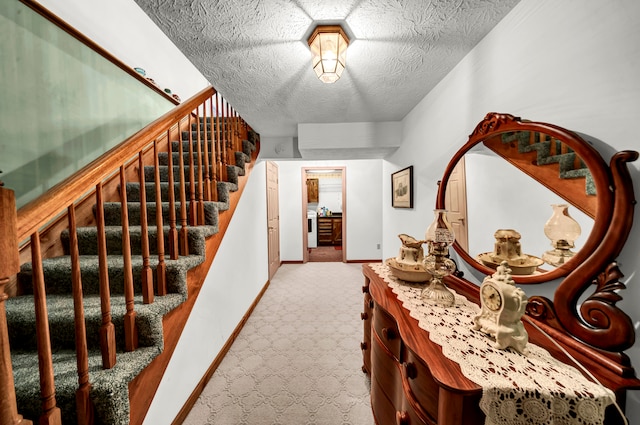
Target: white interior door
(273,218)
(456,204)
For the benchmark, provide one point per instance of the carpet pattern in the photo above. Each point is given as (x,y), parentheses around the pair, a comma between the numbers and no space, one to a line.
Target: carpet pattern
(297,360)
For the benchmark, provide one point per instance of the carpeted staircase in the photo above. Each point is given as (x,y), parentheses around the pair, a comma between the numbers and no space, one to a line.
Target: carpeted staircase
(109,388)
(543,147)
(551,163)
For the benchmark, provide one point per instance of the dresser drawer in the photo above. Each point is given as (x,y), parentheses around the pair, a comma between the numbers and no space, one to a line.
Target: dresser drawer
(420,384)
(407,416)
(386,412)
(387,330)
(385,371)
(383,408)
(365,346)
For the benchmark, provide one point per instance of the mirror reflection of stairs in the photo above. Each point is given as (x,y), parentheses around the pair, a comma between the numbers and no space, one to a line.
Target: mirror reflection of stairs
(552,163)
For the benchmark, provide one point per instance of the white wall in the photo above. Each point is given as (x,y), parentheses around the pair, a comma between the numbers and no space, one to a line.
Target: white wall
(362,208)
(330,193)
(354,135)
(125,31)
(238,273)
(278,147)
(574,64)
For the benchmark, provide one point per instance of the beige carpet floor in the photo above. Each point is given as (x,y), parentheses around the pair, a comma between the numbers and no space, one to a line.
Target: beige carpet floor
(297,361)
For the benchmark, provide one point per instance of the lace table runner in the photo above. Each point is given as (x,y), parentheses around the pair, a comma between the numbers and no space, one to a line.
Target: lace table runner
(517,389)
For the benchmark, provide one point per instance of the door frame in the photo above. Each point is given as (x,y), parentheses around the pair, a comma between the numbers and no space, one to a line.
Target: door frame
(305,238)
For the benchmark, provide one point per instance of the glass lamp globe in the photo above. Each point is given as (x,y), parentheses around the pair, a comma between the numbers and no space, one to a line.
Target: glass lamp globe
(439,237)
(563,231)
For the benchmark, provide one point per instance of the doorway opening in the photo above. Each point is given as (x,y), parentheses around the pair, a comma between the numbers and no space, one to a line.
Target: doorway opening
(324,214)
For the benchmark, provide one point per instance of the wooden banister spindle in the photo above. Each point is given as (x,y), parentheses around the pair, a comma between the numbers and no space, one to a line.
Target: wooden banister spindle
(238,139)
(50,411)
(130,330)
(107,329)
(221,161)
(84,407)
(200,171)
(223,132)
(193,205)
(231,128)
(212,156)
(236,130)
(161,268)
(225,120)
(9,266)
(184,230)
(205,156)
(147,273)
(230,134)
(243,126)
(173,231)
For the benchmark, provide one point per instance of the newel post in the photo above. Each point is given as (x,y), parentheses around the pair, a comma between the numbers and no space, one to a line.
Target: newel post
(9,266)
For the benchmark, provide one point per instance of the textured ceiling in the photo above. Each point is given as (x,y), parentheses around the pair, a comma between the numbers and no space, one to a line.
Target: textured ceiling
(255,53)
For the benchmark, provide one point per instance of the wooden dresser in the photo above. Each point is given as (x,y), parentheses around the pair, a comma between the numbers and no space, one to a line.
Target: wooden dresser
(412,383)
(330,230)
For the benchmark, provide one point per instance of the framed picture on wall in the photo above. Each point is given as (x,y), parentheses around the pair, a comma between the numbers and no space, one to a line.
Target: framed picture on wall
(402,188)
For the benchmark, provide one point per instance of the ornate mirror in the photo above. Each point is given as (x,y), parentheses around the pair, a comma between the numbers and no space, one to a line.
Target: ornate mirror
(602,193)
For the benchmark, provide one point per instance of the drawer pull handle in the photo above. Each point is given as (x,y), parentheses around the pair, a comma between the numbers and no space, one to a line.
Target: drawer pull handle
(364,316)
(363,346)
(365,289)
(402,418)
(388,333)
(370,303)
(409,370)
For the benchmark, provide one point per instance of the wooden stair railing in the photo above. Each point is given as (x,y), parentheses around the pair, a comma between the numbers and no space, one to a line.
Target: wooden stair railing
(549,174)
(97,183)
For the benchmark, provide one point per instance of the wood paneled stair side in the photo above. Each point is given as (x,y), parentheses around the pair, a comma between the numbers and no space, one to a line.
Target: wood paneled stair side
(543,164)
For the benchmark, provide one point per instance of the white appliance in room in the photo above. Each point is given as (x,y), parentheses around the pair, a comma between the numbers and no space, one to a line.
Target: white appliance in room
(312,229)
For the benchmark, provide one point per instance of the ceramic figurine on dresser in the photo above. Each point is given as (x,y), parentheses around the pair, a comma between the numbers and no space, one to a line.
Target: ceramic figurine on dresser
(407,265)
(411,251)
(507,247)
(502,305)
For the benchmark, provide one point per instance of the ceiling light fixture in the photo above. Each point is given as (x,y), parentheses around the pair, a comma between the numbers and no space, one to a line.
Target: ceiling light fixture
(328,45)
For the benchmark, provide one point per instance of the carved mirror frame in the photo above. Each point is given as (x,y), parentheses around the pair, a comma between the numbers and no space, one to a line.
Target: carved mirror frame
(597,321)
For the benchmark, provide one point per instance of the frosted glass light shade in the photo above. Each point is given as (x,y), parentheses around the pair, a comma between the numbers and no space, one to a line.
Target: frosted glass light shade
(328,45)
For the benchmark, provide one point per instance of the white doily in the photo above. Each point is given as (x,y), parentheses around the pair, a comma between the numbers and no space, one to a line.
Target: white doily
(517,389)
